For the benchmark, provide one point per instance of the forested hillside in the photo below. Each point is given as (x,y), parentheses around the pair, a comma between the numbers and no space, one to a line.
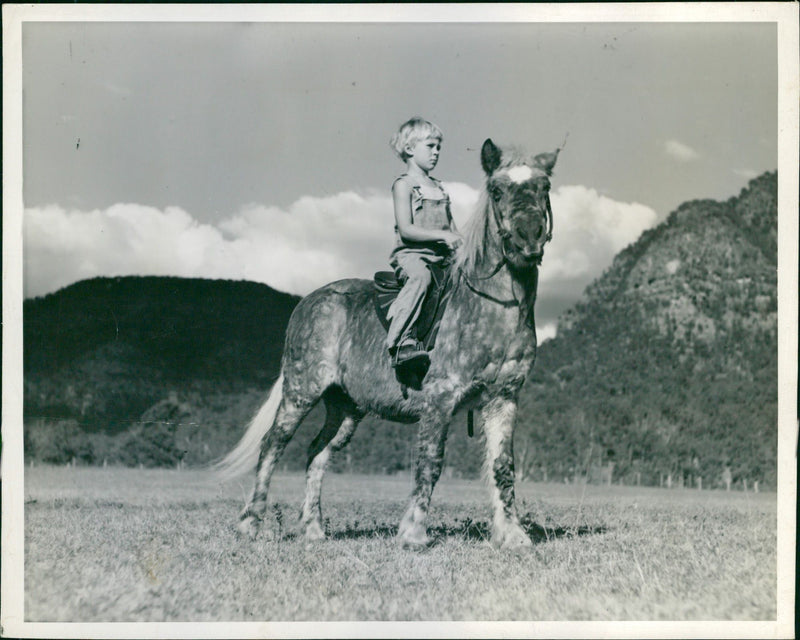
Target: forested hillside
(665,371)
(111,364)
(668,367)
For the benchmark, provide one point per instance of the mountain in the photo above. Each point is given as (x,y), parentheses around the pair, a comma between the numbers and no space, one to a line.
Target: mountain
(668,366)
(101,353)
(666,371)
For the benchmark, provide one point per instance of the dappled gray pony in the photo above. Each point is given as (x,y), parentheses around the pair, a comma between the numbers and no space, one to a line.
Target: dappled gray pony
(485,348)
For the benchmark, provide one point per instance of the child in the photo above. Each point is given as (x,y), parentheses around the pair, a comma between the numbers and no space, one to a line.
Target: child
(424,230)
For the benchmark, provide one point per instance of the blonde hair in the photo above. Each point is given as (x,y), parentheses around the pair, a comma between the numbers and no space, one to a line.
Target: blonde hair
(412,132)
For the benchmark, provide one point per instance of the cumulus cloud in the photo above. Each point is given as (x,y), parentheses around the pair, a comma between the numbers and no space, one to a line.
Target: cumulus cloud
(63,246)
(546,331)
(680,151)
(589,230)
(313,241)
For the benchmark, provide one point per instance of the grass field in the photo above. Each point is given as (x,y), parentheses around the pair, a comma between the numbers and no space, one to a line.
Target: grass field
(142,545)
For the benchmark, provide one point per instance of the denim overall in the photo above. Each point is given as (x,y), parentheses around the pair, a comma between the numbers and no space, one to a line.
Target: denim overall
(430,209)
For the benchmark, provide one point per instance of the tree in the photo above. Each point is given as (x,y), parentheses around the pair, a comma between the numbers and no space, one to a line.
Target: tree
(57,441)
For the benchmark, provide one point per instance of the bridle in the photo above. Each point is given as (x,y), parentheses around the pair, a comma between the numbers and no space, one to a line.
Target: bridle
(505,237)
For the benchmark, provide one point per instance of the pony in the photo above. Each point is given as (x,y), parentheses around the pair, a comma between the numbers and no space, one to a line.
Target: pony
(334,351)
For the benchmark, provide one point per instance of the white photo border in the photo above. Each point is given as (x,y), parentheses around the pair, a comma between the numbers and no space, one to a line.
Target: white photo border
(784,14)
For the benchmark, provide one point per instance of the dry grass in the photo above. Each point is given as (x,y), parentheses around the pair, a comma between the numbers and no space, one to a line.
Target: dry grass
(130,545)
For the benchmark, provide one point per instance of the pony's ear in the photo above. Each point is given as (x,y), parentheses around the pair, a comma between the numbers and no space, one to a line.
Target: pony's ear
(490,157)
(546,161)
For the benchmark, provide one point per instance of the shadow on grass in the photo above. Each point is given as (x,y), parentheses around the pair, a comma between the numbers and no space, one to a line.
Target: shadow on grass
(468,529)
(464,528)
(482,531)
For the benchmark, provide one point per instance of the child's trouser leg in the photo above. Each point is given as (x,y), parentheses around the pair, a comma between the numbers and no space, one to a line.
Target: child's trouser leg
(408,304)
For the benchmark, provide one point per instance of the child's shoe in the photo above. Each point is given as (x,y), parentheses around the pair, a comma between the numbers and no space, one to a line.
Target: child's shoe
(410,352)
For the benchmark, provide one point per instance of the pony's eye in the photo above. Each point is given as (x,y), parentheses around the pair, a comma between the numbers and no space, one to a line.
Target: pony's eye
(495,192)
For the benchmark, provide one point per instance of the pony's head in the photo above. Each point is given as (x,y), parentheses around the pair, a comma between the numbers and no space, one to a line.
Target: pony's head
(517,203)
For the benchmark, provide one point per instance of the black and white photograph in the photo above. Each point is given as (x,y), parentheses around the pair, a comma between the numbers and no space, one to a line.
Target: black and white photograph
(400,320)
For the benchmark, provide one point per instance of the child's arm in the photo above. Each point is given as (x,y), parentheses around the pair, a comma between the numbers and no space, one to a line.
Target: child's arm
(453,227)
(401,193)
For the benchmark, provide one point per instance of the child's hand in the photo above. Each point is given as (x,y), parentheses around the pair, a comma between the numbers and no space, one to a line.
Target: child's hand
(452,240)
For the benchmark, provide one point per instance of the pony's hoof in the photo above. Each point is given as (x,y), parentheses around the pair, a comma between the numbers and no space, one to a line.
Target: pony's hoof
(314,531)
(415,542)
(513,538)
(417,545)
(248,527)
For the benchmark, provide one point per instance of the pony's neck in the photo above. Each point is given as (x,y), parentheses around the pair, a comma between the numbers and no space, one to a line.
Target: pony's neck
(481,251)
(482,261)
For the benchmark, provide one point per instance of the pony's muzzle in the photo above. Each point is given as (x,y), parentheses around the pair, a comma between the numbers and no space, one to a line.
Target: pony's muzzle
(529,244)
(531,256)
(530,237)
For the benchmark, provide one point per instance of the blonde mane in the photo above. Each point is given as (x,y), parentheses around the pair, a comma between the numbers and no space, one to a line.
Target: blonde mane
(471,254)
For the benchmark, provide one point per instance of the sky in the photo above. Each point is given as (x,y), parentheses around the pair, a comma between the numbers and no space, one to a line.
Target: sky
(260,151)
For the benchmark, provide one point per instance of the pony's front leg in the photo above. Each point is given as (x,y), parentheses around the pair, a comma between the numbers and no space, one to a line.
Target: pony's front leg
(432,436)
(498,416)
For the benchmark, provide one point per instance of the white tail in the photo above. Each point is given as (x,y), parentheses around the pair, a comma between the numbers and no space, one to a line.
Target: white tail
(244,455)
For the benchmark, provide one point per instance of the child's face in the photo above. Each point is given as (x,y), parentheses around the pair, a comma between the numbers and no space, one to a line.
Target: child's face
(425,153)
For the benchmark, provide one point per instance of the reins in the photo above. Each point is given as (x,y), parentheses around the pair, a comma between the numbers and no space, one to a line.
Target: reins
(505,303)
(504,235)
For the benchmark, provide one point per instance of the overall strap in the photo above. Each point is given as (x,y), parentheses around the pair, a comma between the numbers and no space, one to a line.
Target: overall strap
(417,187)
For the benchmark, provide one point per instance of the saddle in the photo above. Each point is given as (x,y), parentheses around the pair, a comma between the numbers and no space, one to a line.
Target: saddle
(387,287)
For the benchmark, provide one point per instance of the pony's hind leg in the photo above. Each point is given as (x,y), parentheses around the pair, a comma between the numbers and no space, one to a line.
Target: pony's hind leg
(289,416)
(339,428)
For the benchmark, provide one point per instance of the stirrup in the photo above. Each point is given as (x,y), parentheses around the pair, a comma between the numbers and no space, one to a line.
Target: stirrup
(410,352)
